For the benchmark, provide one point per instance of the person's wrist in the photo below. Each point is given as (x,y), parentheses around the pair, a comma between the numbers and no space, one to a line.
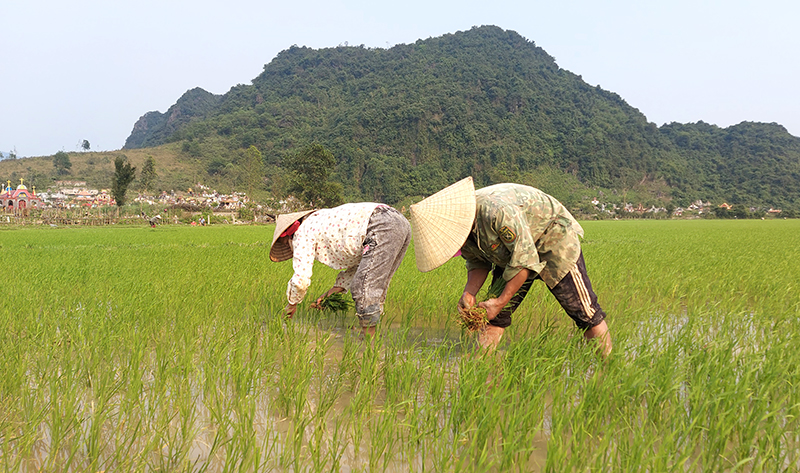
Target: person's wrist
(468,298)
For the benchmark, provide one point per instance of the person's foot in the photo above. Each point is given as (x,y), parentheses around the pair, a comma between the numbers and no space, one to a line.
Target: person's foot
(600,332)
(364,333)
(489,337)
(368,332)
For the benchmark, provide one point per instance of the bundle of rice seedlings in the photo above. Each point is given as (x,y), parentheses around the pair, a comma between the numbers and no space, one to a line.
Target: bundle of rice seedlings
(336,302)
(474,319)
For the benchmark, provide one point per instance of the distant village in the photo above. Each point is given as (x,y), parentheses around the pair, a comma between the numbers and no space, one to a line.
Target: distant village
(76,198)
(697,208)
(76,195)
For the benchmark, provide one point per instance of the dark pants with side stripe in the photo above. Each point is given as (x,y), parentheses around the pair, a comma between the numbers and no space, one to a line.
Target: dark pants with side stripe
(573,292)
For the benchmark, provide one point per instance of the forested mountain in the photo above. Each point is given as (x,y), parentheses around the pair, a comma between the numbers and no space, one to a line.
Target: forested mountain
(154,127)
(486,102)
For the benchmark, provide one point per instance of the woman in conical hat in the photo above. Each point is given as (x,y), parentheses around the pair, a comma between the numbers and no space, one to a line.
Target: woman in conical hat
(518,234)
(366,241)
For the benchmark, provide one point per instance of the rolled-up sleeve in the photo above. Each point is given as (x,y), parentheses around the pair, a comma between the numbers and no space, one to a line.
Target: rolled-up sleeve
(303,265)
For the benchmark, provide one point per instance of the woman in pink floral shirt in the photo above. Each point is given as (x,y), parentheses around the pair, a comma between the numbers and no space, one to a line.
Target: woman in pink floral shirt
(367,241)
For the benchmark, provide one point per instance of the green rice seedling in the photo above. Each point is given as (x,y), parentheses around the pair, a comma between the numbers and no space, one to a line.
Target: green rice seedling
(401,372)
(337,444)
(382,438)
(336,302)
(364,395)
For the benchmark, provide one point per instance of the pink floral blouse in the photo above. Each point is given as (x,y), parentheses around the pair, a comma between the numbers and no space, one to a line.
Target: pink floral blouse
(334,237)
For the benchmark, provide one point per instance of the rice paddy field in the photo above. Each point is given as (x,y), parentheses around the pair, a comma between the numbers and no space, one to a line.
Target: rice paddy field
(139,349)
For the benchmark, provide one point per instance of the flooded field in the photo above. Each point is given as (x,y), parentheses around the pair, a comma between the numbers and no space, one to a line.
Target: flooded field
(138,349)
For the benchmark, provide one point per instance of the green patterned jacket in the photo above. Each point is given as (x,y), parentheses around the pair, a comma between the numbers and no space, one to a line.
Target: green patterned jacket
(520,227)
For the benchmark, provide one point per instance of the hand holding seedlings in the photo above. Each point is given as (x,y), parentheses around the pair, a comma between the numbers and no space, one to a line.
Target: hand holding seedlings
(474,318)
(290,310)
(333,301)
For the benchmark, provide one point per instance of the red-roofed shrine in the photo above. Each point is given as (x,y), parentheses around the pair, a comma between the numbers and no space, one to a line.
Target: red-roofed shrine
(18,201)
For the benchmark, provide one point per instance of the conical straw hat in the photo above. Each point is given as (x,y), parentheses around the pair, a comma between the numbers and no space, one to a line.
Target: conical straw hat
(283,251)
(441,223)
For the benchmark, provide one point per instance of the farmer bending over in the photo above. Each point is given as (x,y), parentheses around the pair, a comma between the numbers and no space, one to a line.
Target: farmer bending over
(521,234)
(367,241)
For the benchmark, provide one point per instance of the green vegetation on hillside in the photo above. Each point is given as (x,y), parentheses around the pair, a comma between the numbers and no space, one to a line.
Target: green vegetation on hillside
(488,103)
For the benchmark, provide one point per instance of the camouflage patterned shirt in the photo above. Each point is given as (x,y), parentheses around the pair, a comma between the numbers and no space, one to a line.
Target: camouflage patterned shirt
(520,227)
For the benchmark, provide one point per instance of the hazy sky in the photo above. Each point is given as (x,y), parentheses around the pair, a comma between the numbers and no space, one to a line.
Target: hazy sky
(88,69)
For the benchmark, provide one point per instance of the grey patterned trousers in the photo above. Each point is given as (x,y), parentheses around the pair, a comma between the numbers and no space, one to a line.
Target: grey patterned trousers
(386,242)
